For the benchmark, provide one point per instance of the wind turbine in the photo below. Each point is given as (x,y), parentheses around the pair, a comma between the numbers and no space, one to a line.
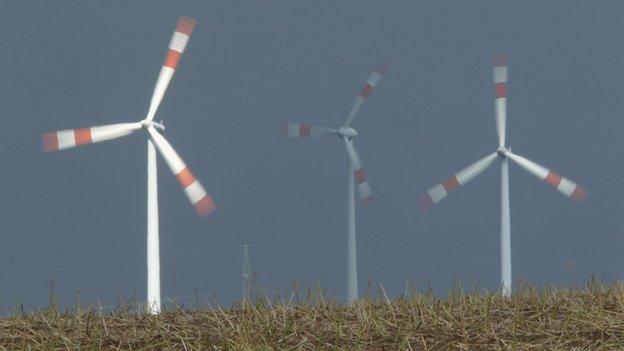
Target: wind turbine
(64,139)
(565,186)
(347,134)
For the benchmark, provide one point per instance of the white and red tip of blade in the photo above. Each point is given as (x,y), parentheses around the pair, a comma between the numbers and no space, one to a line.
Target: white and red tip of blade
(364,189)
(180,38)
(203,203)
(178,43)
(439,191)
(303,130)
(295,130)
(65,139)
(371,82)
(500,100)
(564,185)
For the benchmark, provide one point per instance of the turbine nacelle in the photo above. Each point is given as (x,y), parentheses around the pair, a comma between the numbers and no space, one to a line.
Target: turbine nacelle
(147,123)
(347,132)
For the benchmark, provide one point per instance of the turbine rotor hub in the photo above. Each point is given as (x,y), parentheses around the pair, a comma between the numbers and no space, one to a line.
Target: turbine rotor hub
(502,151)
(347,132)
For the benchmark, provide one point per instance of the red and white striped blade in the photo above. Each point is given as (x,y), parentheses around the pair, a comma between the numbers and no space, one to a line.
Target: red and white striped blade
(302,130)
(178,42)
(366,193)
(562,184)
(371,83)
(192,187)
(65,139)
(439,191)
(500,101)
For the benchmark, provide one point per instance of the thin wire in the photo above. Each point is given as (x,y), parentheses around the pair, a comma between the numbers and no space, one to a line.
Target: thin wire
(216,293)
(118,262)
(201,252)
(405,258)
(300,250)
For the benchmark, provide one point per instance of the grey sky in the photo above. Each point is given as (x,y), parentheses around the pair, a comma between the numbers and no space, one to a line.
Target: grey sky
(251,64)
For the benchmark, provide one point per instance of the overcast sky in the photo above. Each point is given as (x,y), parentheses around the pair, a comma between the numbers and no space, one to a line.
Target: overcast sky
(78,216)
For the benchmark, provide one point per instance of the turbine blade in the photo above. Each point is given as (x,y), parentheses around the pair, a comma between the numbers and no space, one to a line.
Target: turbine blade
(362,184)
(178,42)
(65,139)
(371,83)
(302,130)
(500,101)
(439,191)
(192,187)
(562,184)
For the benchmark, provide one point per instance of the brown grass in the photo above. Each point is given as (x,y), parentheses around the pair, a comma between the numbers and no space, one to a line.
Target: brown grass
(588,318)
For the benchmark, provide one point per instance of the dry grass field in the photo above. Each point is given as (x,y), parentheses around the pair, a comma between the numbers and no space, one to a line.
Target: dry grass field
(586,318)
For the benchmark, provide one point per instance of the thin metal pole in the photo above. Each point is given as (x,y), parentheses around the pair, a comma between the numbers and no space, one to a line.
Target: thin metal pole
(246,275)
